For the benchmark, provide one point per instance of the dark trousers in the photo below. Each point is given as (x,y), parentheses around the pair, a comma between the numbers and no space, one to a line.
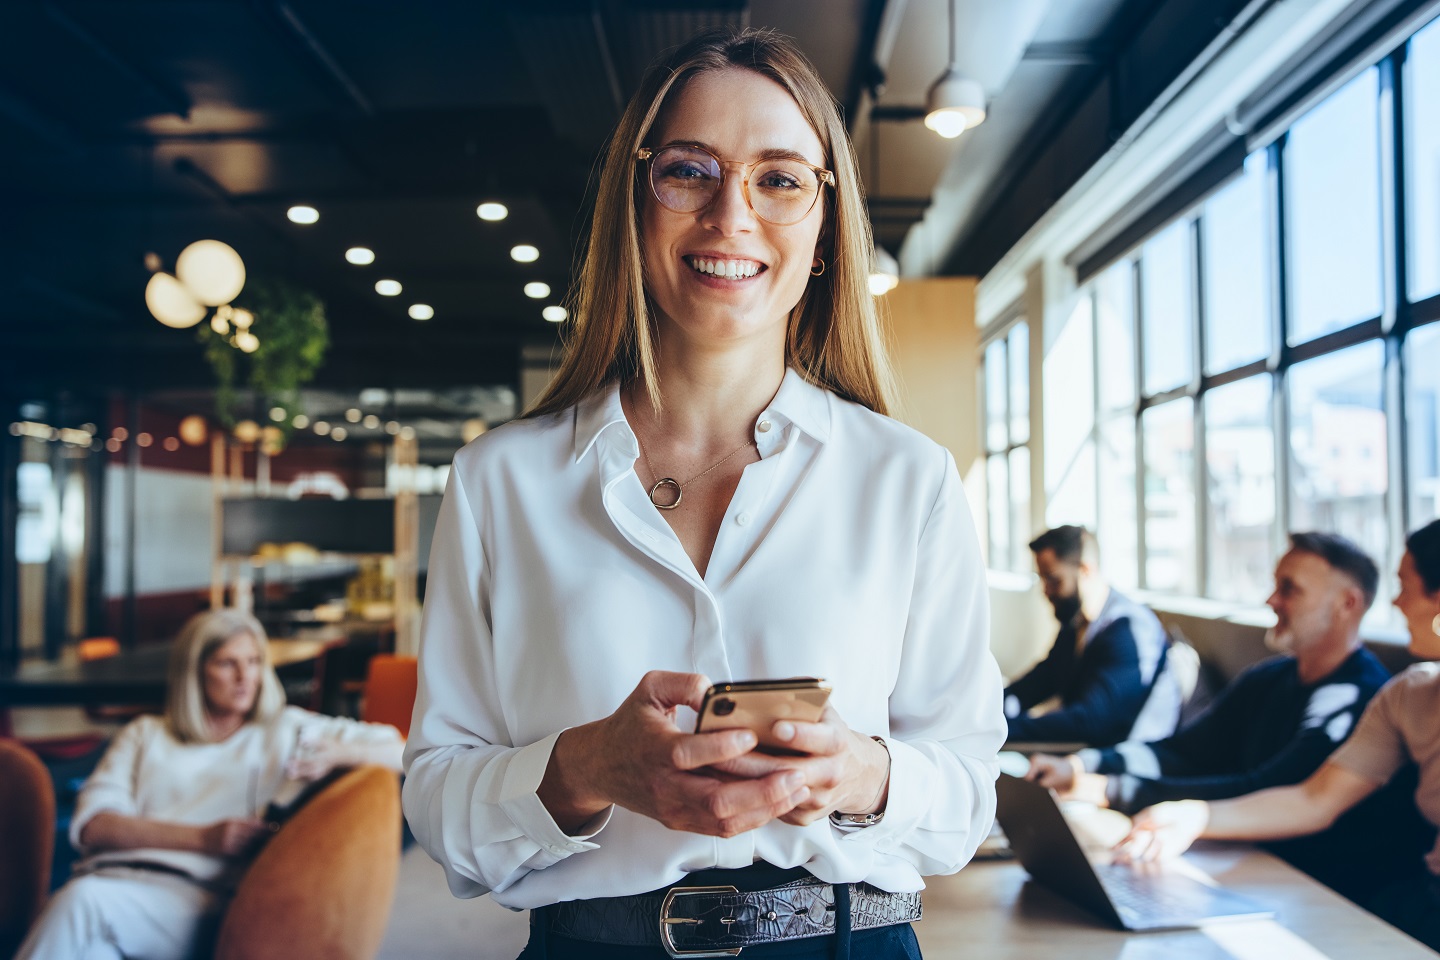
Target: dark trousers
(896,942)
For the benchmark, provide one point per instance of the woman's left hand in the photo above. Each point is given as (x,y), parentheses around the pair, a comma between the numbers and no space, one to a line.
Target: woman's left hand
(315,758)
(845,771)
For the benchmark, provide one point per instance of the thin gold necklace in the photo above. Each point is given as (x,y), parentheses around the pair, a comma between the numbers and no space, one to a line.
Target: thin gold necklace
(679,485)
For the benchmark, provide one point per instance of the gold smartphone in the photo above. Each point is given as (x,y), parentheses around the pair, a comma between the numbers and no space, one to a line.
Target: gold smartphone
(757,705)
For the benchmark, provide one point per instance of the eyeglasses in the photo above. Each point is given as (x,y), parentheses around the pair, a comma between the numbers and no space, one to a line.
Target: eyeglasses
(686,179)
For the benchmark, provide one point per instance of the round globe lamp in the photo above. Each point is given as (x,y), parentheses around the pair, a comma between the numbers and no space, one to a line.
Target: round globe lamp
(171,303)
(212,270)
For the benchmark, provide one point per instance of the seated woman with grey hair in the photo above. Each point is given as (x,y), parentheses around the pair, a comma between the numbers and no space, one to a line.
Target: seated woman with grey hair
(172,814)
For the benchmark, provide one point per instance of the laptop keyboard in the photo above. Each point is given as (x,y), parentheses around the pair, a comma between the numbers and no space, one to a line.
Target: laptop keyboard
(1141,894)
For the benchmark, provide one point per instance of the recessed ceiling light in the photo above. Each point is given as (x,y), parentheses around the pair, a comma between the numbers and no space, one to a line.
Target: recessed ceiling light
(554,313)
(524,253)
(303,214)
(300,422)
(421,311)
(492,211)
(388,288)
(407,433)
(353,415)
(360,256)
(321,427)
(391,427)
(339,433)
(372,422)
(537,290)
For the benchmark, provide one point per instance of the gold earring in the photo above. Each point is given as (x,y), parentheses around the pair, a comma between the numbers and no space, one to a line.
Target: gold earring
(821,262)
(1435,625)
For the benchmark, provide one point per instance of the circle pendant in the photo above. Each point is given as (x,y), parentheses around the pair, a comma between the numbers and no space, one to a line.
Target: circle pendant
(670,483)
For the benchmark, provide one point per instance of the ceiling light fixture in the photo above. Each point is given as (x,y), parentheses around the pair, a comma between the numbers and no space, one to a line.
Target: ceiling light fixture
(554,313)
(212,271)
(171,302)
(536,290)
(492,211)
(524,253)
(955,102)
(388,288)
(360,256)
(208,273)
(303,214)
(421,311)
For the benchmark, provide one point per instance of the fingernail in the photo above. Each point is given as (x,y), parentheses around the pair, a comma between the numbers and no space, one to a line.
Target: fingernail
(784,731)
(801,795)
(745,740)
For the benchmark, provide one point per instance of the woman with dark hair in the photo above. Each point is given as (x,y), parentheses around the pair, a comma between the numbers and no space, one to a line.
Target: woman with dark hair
(710,489)
(1398,727)
(168,820)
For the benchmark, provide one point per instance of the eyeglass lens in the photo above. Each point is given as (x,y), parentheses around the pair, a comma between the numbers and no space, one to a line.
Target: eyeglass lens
(686,179)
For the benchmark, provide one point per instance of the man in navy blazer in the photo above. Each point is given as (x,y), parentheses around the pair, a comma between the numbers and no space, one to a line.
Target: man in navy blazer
(1105,660)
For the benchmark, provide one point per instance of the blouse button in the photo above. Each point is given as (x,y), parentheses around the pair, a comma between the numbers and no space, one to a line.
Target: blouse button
(763,426)
(742,519)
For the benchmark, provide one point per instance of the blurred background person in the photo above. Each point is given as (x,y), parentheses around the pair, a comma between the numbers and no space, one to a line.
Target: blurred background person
(171,816)
(1398,729)
(1104,661)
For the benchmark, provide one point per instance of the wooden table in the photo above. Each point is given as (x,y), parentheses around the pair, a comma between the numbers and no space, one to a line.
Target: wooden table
(131,677)
(992,910)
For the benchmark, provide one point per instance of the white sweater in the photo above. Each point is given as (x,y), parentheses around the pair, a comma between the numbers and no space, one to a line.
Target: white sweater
(148,773)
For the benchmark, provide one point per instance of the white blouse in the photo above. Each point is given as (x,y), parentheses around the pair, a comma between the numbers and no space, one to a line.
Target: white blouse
(147,773)
(848,552)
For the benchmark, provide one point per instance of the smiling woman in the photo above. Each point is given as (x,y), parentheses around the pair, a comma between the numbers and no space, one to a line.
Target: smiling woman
(718,424)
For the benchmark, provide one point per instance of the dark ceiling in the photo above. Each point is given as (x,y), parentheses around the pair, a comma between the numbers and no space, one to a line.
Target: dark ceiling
(135,126)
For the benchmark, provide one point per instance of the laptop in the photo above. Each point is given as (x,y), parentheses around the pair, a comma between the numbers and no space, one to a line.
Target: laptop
(1146,897)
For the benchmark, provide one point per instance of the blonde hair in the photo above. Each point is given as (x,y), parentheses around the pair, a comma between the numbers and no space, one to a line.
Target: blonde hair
(834,338)
(201,636)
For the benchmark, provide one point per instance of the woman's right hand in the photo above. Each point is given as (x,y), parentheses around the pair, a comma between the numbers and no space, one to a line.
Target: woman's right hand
(233,837)
(638,758)
(1056,773)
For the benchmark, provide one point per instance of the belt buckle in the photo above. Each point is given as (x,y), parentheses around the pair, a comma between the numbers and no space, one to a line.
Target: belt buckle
(667,921)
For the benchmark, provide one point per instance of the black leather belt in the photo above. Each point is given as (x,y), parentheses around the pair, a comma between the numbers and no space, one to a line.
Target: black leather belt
(719,921)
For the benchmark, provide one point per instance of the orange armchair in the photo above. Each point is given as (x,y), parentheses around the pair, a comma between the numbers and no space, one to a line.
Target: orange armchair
(322,887)
(27,837)
(390,691)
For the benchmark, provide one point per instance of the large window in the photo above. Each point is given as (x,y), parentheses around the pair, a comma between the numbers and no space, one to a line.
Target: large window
(1247,354)
(1422,161)
(1332,169)
(1240,488)
(1422,418)
(1007,435)
(1339,467)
